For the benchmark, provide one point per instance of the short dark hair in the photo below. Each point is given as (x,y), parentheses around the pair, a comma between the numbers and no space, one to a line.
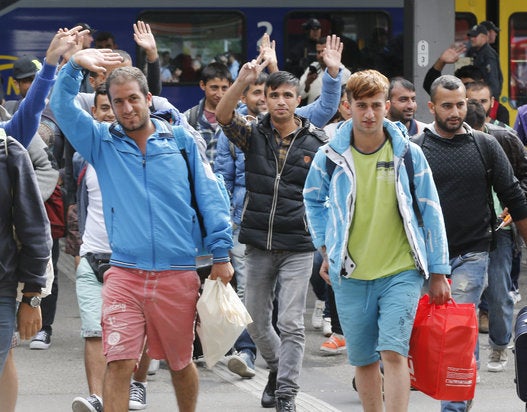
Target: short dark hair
(476,115)
(261,79)
(469,71)
(446,81)
(124,75)
(100,91)
(104,35)
(479,85)
(215,70)
(406,84)
(280,78)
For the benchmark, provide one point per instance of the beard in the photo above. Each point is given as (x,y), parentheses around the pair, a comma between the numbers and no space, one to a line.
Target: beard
(449,127)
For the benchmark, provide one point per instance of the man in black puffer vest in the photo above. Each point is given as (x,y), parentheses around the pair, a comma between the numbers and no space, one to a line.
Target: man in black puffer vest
(278,151)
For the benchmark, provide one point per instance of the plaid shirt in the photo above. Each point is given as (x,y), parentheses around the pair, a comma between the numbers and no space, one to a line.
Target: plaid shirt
(239,131)
(208,131)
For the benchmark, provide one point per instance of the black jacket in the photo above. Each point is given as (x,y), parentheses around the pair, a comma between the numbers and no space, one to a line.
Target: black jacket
(274,215)
(514,149)
(22,208)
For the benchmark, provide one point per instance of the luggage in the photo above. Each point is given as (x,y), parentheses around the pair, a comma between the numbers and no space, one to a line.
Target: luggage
(520,352)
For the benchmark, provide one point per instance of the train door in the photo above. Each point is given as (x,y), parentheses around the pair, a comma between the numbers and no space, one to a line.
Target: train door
(513,56)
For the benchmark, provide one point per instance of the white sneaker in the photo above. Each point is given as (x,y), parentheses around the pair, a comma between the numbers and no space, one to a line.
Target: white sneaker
(318,314)
(326,327)
(153,367)
(515,295)
(42,340)
(498,359)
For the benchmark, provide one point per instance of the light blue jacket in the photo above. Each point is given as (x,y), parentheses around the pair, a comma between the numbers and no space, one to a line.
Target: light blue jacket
(330,202)
(150,222)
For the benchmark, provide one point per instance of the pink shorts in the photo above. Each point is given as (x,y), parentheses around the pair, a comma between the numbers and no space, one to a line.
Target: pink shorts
(161,305)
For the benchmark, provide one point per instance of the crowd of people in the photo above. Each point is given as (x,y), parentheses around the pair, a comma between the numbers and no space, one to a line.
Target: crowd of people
(321,170)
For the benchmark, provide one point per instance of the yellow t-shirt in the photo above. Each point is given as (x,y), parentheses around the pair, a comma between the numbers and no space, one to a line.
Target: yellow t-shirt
(377,241)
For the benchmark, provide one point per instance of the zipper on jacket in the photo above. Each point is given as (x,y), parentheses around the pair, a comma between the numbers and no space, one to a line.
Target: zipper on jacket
(149,210)
(275,190)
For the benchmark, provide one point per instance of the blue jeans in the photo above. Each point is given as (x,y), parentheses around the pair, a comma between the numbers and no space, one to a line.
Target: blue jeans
(500,305)
(244,341)
(7,326)
(283,353)
(238,263)
(469,276)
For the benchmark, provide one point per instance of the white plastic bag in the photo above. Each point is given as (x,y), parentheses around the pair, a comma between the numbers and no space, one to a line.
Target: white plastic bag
(222,318)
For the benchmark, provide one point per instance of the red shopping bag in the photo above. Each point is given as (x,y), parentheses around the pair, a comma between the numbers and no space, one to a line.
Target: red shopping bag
(441,357)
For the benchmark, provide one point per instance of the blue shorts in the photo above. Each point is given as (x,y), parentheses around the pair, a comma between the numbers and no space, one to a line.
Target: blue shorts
(89,298)
(7,325)
(377,315)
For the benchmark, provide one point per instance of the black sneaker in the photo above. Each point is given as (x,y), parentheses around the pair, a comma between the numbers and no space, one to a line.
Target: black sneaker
(42,340)
(268,397)
(137,396)
(285,405)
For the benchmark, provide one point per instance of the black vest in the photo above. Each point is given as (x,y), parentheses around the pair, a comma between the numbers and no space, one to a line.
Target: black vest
(274,215)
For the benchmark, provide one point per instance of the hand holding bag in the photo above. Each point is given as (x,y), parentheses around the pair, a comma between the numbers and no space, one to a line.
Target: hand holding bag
(222,318)
(441,357)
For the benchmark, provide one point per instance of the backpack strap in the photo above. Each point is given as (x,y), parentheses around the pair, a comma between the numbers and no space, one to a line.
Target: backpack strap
(193,202)
(3,138)
(409,164)
(193,115)
(232,149)
(481,143)
(330,168)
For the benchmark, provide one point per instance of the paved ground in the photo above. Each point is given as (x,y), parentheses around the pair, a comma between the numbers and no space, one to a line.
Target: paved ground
(49,380)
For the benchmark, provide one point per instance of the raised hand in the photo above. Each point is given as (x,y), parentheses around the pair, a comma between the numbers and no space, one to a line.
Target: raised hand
(145,39)
(251,70)
(65,43)
(96,60)
(268,53)
(452,54)
(332,54)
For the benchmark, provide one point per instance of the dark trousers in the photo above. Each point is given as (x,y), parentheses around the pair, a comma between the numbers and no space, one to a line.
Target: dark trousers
(49,303)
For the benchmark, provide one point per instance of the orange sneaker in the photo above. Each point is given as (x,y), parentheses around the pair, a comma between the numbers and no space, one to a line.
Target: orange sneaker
(334,345)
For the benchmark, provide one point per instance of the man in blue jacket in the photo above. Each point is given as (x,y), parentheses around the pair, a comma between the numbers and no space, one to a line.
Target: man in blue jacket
(152,227)
(354,208)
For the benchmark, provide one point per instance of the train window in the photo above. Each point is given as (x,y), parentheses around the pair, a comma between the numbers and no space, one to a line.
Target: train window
(188,41)
(369,40)
(518,59)
(464,22)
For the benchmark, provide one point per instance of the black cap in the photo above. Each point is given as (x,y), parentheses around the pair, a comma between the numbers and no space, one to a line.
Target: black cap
(489,25)
(86,26)
(26,66)
(311,24)
(477,29)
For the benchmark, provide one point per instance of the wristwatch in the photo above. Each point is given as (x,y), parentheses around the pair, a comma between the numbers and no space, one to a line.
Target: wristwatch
(33,301)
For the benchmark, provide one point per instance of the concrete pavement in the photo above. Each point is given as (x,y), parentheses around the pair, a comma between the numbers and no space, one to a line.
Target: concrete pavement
(49,380)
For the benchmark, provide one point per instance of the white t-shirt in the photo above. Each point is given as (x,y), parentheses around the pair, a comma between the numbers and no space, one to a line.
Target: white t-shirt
(95,238)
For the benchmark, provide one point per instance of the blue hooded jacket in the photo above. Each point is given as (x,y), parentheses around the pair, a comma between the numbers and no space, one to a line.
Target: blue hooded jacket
(330,202)
(150,222)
